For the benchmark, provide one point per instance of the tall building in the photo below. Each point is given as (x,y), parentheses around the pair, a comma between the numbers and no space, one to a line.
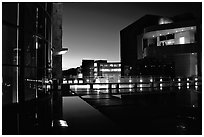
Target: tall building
(175,40)
(88,68)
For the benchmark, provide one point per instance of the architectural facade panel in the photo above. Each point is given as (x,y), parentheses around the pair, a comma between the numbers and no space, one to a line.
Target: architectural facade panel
(165,39)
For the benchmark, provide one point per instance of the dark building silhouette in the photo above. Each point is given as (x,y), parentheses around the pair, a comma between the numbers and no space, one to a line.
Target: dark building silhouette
(88,68)
(175,41)
(130,42)
(31,33)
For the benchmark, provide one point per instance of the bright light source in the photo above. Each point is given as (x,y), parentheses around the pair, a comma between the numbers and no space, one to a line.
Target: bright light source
(151,80)
(80,75)
(60,51)
(141,80)
(160,85)
(140,89)
(64,81)
(182,40)
(196,87)
(179,84)
(187,79)
(59,123)
(141,85)
(196,79)
(179,87)
(119,81)
(130,80)
(161,88)
(97,81)
(179,79)
(48,86)
(160,80)
(196,83)
(75,81)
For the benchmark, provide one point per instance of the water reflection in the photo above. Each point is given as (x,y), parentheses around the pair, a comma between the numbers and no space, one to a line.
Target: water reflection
(161,88)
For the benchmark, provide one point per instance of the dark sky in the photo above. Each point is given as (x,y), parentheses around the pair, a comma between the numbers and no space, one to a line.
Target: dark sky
(91,30)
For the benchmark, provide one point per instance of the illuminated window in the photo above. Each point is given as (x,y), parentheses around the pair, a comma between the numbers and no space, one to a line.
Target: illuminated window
(106,70)
(182,40)
(64,82)
(80,81)
(165,21)
(115,65)
(95,69)
(80,75)
(95,64)
(75,81)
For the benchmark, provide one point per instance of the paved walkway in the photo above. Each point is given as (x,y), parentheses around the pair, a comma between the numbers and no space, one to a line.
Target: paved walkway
(82,118)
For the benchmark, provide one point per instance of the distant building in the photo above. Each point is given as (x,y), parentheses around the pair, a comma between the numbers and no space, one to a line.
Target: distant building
(88,68)
(174,42)
(93,70)
(109,70)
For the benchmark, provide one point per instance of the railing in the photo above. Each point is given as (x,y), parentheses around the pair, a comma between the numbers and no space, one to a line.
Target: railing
(140,83)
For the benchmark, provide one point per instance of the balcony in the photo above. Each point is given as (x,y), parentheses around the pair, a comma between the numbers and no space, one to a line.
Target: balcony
(157,51)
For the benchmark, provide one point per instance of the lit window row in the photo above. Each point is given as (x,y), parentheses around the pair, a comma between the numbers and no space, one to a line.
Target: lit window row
(109,70)
(74,81)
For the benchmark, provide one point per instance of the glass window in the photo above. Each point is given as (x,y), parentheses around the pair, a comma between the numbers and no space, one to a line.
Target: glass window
(10,54)
(19,49)
(181,40)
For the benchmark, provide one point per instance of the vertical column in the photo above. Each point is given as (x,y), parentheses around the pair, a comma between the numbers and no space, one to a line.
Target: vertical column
(117,87)
(57,39)
(91,86)
(57,60)
(109,88)
(199,49)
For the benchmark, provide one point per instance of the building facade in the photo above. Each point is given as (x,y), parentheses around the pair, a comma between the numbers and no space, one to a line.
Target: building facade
(28,41)
(31,33)
(174,41)
(110,70)
(100,69)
